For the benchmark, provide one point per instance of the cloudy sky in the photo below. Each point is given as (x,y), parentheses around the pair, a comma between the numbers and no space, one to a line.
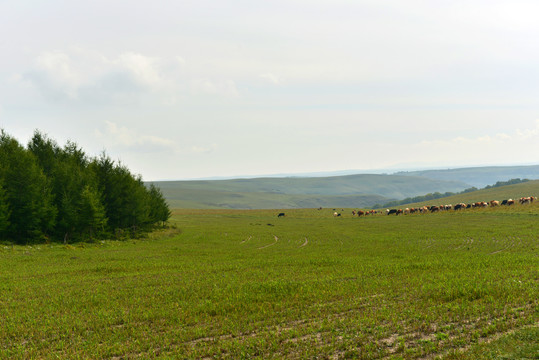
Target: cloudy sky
(191,89)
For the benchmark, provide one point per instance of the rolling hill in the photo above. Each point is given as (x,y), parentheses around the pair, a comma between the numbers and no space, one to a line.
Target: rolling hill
(360,190)
(363,190)
(530,188)
(479,176)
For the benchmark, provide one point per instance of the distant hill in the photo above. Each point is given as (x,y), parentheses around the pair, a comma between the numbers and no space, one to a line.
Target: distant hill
(530,188)
(479,176)
(363,190)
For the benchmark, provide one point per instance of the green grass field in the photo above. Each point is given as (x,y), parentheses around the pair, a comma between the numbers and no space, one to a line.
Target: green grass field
(246,284)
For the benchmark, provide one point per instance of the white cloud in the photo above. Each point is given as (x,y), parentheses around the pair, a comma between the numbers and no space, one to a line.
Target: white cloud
(211,87)
(530,133)
(85,76)
(204,149)
(123,136)
(272,78)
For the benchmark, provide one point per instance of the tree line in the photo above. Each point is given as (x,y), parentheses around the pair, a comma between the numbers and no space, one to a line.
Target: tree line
(54,193)
(438,195)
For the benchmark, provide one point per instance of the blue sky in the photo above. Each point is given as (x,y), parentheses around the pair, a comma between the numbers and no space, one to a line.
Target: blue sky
(190,89)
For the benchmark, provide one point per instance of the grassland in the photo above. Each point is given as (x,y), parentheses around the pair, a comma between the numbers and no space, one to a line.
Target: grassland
(246,284)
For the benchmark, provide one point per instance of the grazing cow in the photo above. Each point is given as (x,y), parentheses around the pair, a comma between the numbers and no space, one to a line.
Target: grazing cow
(399,211)
(510,202)
(460,206)
(494,203)
(360,213)
(335,214)
(391,212)
(480,204)
(434,208)
(353,212)
(504,202)
(280,215)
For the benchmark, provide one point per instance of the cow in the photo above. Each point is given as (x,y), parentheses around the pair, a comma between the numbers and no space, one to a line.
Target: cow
(527,200)
(504,202)
(281,215)
(494,203)
(360,213)
(510,202)
(335,214)
(434,208)
(459,206)
(391,212)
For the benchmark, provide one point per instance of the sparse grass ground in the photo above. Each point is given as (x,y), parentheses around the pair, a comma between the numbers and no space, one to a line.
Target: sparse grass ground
(246,284)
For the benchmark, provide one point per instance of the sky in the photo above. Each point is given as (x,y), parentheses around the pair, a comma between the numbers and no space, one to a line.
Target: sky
(197,89)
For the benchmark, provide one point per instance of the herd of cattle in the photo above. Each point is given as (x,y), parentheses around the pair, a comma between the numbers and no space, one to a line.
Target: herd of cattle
(437,208)
(460,206)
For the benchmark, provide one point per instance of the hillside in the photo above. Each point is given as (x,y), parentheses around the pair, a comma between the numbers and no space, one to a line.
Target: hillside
(479,176)
(363,190)
(530,188)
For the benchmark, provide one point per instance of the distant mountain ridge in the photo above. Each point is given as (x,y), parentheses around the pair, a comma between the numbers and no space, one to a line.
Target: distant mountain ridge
(479,176)
(358,190)
(362,190)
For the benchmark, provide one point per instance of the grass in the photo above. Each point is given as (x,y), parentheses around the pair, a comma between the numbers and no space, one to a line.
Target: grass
(245,284)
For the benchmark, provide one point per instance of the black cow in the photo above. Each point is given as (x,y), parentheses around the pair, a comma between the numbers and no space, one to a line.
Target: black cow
(280,214)
(391,212)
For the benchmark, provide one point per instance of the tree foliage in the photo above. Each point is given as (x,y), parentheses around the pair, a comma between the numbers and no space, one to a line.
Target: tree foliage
(53,192)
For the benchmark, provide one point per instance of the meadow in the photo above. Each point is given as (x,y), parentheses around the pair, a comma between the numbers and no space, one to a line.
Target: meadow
(236,284)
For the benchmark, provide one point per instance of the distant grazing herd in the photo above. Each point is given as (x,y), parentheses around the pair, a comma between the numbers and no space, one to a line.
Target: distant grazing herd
(436,208)
(461,206)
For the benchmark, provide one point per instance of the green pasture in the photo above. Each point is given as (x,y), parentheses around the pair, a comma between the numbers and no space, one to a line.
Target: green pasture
(247,284)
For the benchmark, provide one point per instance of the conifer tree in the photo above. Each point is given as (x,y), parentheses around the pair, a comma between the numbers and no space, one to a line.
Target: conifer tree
(159,210)
(91,217)
(4,212)
(27,191)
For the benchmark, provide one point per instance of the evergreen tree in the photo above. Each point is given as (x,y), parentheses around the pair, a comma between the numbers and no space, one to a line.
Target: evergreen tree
(27,191)
(159,211)
(4,212)
(46,189)
(92,217)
